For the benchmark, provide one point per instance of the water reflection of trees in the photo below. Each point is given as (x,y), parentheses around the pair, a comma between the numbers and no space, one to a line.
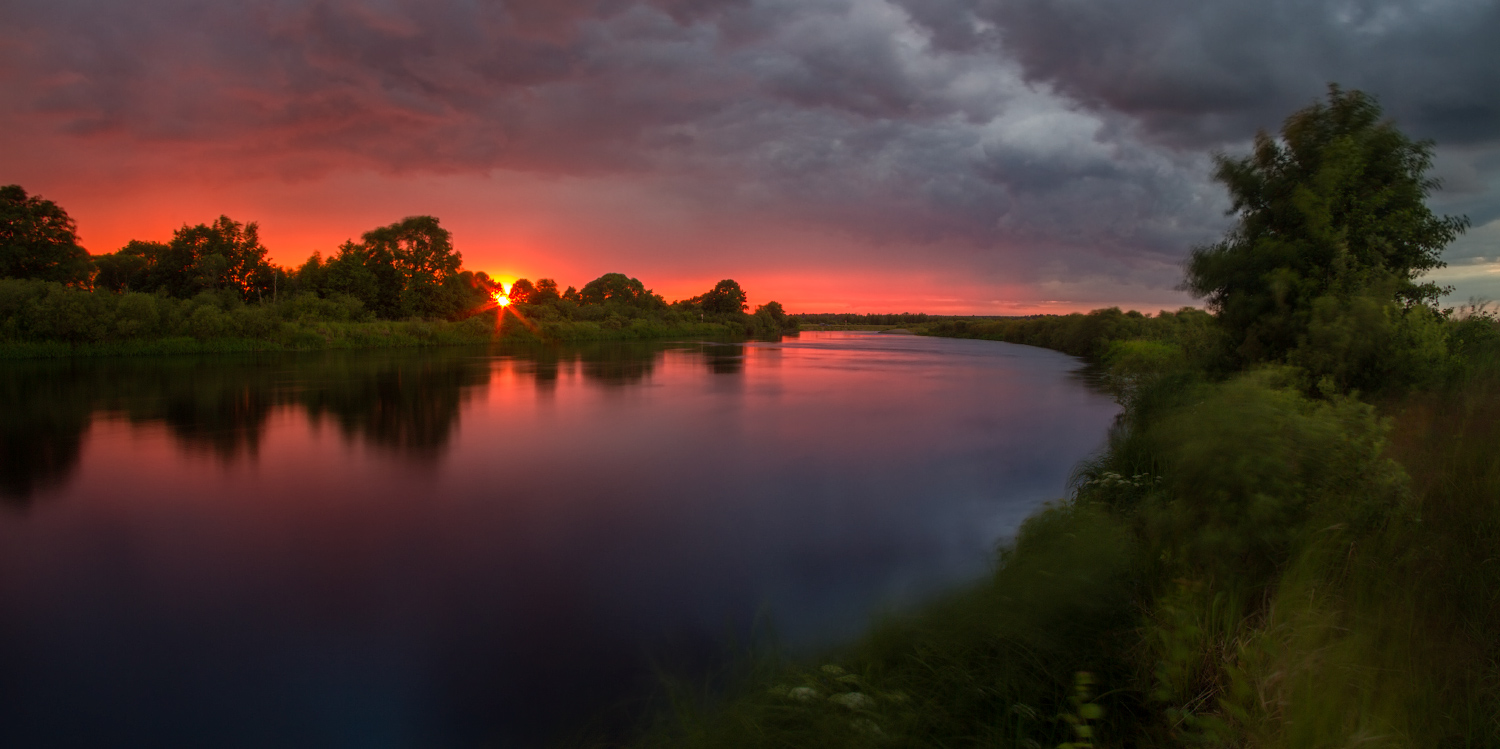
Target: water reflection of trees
(41,431)
(724,358)
(618,364)
(410,406)
(407,402)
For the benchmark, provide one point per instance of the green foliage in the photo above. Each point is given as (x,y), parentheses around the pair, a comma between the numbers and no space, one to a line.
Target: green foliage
(223,256)
(771,320)
(1085,712)
(400,271)
(1245,464)
(196,288)
(125,269)
(1245,564)
(1474,335)
(1192,331)
(615,306)
(1336,207)
(1367,343)
(725,298)
(524,292)
(874,319)
(38,240)
(618,290)
(39,318)
(991,666)
(546,291)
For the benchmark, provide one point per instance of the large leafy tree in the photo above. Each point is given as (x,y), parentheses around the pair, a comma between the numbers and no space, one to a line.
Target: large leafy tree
(725,298)
(421,252)
(617,288)
(1333,209)
(223,256)
(125,269)
(39,240)
(405,269)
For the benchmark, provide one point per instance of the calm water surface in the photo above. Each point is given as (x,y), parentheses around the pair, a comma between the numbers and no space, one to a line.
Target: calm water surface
(462,547)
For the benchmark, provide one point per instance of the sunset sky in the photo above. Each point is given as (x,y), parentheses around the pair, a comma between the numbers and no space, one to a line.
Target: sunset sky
(947,156)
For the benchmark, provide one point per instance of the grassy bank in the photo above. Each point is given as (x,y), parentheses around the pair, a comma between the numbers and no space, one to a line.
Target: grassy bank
(1291,540)
(41,319)
(1247,564)
(288,337)
(334,336)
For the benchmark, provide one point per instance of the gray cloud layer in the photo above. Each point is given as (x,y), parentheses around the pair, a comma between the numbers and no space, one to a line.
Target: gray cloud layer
(1029,139)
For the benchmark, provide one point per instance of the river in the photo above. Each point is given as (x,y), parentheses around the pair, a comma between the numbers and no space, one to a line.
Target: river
(492,547)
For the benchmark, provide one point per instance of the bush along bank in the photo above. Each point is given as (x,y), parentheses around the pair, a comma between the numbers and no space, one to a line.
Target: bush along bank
(40,319)
(1246,564)
(1289,540)
(48,319)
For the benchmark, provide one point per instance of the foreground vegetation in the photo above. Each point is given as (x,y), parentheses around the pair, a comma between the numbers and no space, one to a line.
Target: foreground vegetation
(1290,540)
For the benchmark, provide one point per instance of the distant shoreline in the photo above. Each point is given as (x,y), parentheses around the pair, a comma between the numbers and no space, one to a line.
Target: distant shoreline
(354,336)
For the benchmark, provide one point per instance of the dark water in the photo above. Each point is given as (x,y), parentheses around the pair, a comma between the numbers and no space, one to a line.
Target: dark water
(463,548)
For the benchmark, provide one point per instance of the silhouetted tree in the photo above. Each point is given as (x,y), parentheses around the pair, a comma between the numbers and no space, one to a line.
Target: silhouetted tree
(422,253)
(619,289)
(545,292)
(406,269)
(726,298)
(125,269)
(772,310)
(223,256)
(522,292)
(39,240)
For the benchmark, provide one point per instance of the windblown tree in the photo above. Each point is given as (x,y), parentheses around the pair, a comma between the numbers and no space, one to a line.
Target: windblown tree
(39,240)
(1333,236)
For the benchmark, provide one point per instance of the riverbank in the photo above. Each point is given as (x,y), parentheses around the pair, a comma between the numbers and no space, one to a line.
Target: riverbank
(250,330)
(45,319)
(1249,562)
(376,335)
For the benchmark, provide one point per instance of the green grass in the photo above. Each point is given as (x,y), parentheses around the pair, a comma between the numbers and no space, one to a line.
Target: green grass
(1247,564)
(315,336)
(301,337)
(47,320)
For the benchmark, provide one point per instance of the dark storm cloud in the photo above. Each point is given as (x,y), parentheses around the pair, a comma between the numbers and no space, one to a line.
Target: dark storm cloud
(1049,139)
(1212,70)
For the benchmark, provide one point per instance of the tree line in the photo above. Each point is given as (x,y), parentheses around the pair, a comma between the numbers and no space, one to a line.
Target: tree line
(214,280)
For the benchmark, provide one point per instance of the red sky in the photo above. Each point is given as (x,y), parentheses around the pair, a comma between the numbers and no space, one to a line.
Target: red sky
(946,156)
(515,225)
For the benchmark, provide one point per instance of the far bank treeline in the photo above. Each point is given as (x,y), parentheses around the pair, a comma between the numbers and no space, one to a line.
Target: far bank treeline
(211,288)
